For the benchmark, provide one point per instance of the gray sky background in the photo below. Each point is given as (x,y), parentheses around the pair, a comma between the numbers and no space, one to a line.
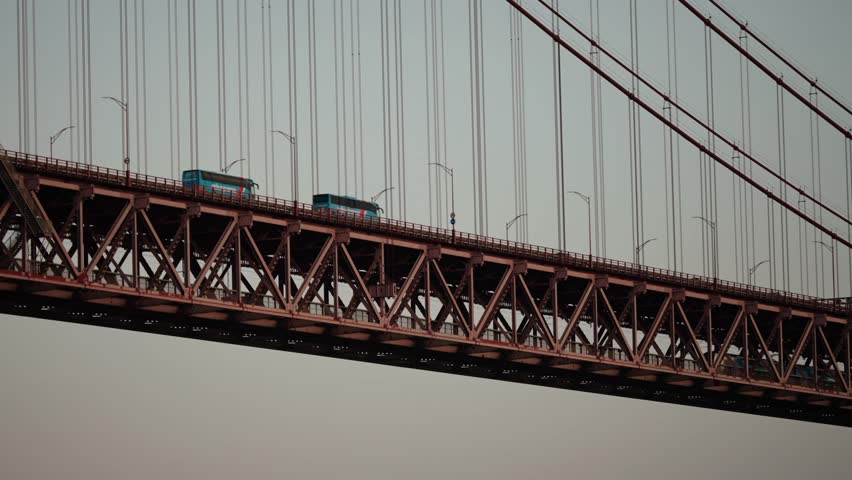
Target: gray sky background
(82,402)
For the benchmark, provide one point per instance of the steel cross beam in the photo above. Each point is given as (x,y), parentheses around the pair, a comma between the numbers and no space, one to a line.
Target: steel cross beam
(357,282)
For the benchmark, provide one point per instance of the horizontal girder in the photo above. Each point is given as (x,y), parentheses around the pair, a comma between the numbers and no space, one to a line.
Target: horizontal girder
(147,247)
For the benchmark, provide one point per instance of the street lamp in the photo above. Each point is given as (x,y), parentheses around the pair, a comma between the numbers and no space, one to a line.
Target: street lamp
(588,201)
(374,197)
(228,167)
(512,221)
(294,180)
(752,269)
(642,246)
(712,226)
(126,128)
(54,137)
(833,274)
(449,171)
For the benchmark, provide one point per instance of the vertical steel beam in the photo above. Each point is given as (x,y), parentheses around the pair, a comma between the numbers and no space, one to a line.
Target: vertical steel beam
(428,274)
(236,282)
(672,335)
(187,257)
(514,309)
(336,282)
(288,294)
(595,332)
(746,344)
(710,346)
(781,358)
(471,301)
(25,247)
(848,357)
(635,316)
(81,248)
(135,247)
(555,309)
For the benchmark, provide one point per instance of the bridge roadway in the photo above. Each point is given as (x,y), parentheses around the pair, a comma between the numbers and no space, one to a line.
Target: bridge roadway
(143,253)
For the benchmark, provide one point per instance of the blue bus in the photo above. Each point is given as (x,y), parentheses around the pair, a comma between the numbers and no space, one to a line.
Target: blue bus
(360,208)
(216,182)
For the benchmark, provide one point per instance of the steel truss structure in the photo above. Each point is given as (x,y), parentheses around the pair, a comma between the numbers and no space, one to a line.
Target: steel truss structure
(144,253)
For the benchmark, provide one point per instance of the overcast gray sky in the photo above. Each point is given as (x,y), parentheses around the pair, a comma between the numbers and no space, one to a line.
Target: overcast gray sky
(83,402)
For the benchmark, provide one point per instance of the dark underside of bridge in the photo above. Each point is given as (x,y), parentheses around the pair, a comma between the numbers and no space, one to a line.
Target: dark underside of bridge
(25,305)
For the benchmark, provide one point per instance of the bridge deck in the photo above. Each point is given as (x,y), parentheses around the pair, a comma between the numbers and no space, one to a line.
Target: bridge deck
(129,250)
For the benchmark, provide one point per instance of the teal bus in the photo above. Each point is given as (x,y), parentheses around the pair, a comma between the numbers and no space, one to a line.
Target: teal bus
(354,206)
(216,182)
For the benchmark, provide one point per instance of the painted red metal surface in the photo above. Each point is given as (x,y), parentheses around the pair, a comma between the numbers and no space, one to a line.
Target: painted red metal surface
(149,245)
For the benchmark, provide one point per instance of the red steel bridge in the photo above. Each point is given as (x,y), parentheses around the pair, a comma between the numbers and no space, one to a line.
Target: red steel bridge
(88,244)
(93,245)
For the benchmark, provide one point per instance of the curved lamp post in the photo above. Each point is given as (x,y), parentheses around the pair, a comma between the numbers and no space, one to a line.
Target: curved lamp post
(126,127)
(511,222)
(56,136)
(449,171)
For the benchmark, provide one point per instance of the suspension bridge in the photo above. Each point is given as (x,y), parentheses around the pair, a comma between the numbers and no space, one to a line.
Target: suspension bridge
(94,236)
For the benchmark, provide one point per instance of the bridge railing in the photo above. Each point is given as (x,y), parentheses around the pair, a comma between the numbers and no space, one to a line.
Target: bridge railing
(150,183)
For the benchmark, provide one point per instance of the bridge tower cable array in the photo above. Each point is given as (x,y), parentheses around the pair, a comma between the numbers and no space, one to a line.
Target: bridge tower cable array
(701,146)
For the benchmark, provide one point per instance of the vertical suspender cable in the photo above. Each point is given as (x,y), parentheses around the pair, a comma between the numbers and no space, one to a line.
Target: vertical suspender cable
(144,91)
(354,89)
(78,93)
(312,94)
(35,80)
(20,80)
(136,84)
(247,89)
(668,146)
(178,143)
(512,74)
(818,190)
(271,71)
(294,100)
(443,96)
(560,142)
(343,103)
(847,150)
(123,53)
(171,91)
(427,96)
(340,166)
(557,126)
(266,133)
(89,134)
(401,190)
(70,84)
(240,136)
(782,158)
(440,183)
(473,143)
(360,98)
(219,84)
